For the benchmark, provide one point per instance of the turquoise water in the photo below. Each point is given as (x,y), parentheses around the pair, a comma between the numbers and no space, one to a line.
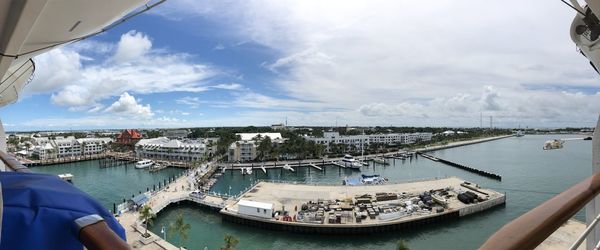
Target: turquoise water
(530,176)
(109,185)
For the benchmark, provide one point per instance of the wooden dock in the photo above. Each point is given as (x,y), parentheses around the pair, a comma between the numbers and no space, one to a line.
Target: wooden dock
(315,166)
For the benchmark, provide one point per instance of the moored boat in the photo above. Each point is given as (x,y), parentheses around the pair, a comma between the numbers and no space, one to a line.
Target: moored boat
(349,162)
(144,163)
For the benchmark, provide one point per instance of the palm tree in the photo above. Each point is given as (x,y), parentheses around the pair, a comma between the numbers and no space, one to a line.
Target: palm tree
(147,215)
(180,227)
(230,242)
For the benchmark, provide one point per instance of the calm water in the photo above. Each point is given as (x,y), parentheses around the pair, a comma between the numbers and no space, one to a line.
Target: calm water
(109,185)
(530,176)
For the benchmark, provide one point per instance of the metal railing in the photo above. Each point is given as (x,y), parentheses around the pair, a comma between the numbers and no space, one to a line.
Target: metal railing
(533,227)
(93,236)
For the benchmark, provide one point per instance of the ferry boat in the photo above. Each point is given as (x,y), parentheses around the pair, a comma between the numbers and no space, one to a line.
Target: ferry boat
(144,163)
(349,162)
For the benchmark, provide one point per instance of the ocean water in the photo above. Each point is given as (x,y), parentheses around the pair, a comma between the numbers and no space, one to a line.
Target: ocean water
(530,176)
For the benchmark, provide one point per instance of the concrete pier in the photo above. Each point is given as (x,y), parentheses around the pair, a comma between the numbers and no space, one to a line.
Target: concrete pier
(291,197)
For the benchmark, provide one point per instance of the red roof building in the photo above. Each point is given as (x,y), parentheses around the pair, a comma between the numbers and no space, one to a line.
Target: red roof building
(129,136)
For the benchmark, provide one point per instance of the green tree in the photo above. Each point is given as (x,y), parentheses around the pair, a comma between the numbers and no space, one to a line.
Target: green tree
(230,242)
(180,227)
(264,148)
(146,215)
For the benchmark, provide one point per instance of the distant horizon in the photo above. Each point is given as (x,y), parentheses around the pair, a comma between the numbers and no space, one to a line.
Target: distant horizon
(266,126)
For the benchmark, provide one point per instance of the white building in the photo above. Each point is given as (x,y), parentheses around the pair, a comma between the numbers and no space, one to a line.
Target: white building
(243,150)
(44,152)
(359,141)
(90,146)
(66,147)
(255,208)
(246,148)
(164,148)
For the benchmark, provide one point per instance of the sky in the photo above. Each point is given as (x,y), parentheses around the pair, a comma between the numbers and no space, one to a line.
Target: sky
(212,63)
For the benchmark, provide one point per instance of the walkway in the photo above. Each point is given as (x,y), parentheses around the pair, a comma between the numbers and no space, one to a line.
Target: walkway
(174,192)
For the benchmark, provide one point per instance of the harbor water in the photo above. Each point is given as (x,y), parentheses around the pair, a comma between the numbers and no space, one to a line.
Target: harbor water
(109,185)
(530,176)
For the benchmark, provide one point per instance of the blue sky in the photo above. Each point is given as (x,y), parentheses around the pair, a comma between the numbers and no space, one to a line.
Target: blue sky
(229,63)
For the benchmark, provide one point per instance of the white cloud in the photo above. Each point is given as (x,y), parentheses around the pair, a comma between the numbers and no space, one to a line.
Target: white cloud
(127,105)
(391,57)
(219,47)
(132,66)
(132,46)
(192,102)
(228,86)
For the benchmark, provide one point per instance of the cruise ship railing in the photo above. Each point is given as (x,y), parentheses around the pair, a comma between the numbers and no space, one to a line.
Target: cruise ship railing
(533,227)
(94,236)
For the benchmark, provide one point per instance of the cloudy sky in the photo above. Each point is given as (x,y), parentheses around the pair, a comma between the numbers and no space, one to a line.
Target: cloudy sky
(403,63)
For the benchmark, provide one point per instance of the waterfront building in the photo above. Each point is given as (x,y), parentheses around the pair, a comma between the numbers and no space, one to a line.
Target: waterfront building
(359,141)
(163,148)
(90,146)
(255,208)
(44,151)
(66,146)
(129,137)
(246,148)
(242,150)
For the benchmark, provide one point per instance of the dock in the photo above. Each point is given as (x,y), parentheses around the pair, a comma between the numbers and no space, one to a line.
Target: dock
(315,166)
(331,209)
(463,167)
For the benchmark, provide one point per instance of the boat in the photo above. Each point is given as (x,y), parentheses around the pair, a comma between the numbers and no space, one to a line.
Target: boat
(553,144)
(144,163)
(349,162)
(246,170)
(286,166)
(589,138)
(519,133)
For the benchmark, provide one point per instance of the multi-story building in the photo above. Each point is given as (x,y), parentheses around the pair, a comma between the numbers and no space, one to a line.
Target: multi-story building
(66,146)
(243,150)
(44,151)
(129,137)
(90,146)
(163,148)
(46,148)
(360,141)
(246,148)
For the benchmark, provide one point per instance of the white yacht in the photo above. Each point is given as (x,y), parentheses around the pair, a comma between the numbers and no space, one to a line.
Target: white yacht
(144,163)
(349,162)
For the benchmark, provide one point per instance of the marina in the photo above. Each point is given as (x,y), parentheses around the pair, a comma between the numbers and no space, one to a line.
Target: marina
(208,226)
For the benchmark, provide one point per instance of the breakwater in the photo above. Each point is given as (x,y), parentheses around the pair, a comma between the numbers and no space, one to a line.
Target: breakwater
(463,167)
